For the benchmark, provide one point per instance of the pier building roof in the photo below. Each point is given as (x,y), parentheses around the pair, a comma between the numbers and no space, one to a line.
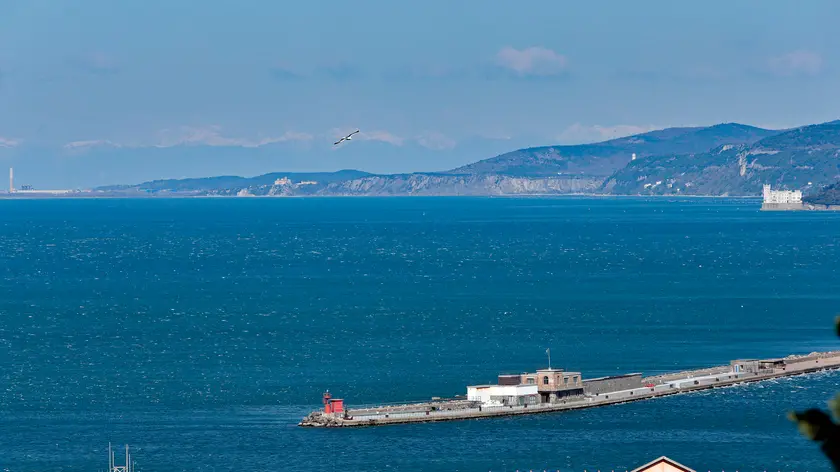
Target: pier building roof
(620,376)
(663,464)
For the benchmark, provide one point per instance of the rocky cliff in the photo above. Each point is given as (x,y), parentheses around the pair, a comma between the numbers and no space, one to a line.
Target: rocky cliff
(827,196)
(603,159)
(481,184)
(428,185)
(805,159)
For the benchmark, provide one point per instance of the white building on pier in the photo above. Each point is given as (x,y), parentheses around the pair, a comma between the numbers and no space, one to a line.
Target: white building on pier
(497,395)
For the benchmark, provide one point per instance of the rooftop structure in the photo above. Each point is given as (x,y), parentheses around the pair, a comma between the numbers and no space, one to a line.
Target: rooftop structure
(556,384)
(663,464)
(543,386)
(745,365)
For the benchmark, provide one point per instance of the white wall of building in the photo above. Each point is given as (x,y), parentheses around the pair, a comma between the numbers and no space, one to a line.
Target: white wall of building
(44,192)
(781,196)
(482,393)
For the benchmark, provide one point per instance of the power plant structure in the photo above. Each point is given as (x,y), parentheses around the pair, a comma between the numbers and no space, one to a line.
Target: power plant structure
(28,189)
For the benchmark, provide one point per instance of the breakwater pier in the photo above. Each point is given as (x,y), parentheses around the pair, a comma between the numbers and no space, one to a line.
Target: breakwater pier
(554,390)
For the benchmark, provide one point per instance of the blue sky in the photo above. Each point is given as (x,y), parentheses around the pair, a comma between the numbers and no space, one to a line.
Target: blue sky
(95,91)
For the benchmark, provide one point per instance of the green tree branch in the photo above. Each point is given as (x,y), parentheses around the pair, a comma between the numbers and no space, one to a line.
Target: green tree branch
(821,427)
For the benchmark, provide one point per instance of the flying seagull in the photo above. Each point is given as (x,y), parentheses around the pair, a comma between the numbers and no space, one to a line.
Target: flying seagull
(346,138)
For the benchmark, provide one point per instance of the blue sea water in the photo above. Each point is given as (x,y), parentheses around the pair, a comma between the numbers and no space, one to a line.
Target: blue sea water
(201,331)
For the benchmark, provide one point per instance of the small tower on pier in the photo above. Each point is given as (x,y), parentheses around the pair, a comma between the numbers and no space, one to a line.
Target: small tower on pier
(112,463)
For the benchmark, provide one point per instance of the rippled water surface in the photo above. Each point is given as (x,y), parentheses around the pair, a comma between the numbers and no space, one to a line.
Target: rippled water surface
(201,330)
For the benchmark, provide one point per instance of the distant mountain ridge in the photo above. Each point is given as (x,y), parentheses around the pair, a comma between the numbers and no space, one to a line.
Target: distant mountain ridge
(603,159)
(200,184)
(724,159)
(806,158)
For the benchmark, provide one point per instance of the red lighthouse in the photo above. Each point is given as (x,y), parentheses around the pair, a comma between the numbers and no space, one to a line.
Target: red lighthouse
(332,405)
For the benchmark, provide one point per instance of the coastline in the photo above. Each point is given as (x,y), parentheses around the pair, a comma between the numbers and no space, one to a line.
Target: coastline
(508,195)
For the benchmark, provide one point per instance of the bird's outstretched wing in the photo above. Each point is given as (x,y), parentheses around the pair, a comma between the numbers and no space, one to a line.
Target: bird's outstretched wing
(345,138)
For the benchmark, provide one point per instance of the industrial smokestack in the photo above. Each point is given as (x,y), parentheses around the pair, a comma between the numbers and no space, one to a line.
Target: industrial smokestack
(11,179)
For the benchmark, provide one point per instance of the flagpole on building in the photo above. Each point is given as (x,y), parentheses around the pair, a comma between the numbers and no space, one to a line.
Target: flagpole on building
(548,352)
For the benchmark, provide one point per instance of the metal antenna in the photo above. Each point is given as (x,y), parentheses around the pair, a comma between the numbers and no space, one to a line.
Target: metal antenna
(112,463)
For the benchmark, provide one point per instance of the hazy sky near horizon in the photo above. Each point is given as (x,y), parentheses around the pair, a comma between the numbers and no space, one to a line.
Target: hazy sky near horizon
(99,84)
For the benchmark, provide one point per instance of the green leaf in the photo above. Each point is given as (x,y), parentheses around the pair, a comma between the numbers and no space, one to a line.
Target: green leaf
(814,424)
(834,406)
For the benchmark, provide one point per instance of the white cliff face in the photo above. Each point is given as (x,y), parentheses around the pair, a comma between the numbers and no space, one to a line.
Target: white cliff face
(430,184)
(282,187)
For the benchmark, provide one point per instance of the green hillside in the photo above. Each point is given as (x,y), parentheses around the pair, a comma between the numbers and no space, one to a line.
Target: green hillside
(806,159)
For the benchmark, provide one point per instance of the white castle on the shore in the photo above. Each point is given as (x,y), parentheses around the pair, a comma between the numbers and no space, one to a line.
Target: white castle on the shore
(781,196)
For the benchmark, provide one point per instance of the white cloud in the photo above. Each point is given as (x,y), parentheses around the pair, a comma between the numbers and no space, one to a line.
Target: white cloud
(537,61)
(800,62)
(191,136)
(579,134)
(9,142)
(89,144)
(211,136)
(382,136)
(435,141)
(363,135)
(431,140)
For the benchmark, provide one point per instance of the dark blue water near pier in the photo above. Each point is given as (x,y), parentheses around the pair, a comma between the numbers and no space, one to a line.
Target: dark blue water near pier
(201,330)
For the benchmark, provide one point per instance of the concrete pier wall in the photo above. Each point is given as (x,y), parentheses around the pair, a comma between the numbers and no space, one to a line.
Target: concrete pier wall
(782,206)
(682,382)
(798,207)
(662,378)
(613,383)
